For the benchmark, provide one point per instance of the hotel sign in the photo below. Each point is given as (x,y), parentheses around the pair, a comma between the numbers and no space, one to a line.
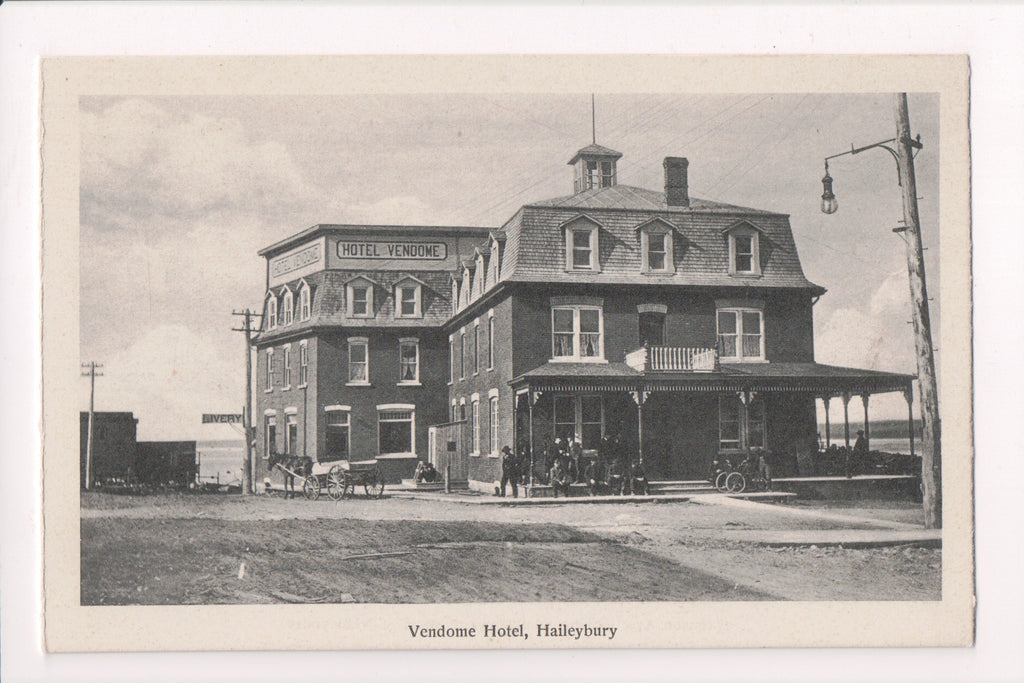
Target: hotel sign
(295,261)
(408,251)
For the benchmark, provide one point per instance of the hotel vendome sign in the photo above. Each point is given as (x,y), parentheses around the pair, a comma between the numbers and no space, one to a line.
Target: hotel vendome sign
(392,250)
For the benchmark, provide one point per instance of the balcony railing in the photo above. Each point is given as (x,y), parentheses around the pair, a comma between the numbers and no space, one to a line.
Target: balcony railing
(672,359)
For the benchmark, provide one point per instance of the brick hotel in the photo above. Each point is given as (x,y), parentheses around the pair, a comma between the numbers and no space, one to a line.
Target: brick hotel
(682,326)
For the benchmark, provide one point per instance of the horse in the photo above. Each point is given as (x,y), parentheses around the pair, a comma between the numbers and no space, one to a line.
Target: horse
(301,465)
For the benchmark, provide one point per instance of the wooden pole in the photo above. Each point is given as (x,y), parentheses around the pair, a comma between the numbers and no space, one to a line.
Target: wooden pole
(88,438)
(529,404)
(867,427)
(248,477)
(92,375)
(846,434)
(931,451)
(827,400)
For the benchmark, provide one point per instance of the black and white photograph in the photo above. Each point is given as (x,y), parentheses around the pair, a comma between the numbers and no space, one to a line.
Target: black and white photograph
(491,367)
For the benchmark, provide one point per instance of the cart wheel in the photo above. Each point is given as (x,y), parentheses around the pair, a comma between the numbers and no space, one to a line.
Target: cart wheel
(311,487)
(735,482)
(336,483)
(347,487)
(374,486)
(720,481)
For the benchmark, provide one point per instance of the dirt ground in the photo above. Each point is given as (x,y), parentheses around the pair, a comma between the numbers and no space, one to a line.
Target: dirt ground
(217,549)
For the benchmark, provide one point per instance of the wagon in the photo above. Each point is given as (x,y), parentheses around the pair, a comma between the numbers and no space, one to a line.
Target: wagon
(345,476)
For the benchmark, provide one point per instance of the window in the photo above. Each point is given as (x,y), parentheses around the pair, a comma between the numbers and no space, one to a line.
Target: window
(490,343)
(303,364)
(652,328)
(741,426)
(744,249)
(744,254)
(270,434)
(476,348)
(462,354)
(272,312)
(656,251)
(475,412)
(289,307)
(494,445)
(359,295)
(304,302)
(291,434)
(408,361)
(408,295)
(358,360)
(286,360)
(576,333)
(582,416)
(338,443)
(395,426)
(740,334)
(451,360)
(565,418)
(455,295)
(728,423)
(462,410)
(270,369)
(582,249)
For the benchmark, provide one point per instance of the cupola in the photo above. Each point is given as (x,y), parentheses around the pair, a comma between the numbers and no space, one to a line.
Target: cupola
(594,167)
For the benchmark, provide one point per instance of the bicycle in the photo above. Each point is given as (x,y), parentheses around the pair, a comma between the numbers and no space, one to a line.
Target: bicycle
(748,474)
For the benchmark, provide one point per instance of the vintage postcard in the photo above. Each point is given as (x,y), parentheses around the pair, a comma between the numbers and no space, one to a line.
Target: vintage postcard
(506,352)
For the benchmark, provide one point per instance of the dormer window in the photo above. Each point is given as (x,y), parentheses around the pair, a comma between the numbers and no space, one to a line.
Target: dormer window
(304,302)
(656,246)
(271,311)
(409,298)
(359,298)
(744,249)
(289,307)
(455,295)
(581,245)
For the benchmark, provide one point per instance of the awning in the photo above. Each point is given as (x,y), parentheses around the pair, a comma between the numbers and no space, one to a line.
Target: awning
(811,378)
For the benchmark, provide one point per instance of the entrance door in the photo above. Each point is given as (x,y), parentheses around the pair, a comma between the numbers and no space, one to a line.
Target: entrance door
(652,329)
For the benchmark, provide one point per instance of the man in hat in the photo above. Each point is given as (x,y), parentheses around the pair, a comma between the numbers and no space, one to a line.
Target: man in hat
(860,453)
(509,471)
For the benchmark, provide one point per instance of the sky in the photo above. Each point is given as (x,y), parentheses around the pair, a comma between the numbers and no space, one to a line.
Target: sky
(177,195)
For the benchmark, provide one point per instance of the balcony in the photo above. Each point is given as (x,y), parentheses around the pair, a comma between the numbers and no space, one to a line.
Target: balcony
(672,359)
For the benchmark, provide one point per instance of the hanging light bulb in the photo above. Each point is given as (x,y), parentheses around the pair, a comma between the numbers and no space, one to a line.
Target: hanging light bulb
(829,204)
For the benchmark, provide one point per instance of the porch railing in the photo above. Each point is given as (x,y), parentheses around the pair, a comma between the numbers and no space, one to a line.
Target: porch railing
(672,359)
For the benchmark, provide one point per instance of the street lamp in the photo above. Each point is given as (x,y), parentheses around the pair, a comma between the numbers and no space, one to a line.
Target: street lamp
(902,150)
(829,204)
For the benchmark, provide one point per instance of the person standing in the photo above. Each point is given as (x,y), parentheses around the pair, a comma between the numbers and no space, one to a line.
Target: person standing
(509,472)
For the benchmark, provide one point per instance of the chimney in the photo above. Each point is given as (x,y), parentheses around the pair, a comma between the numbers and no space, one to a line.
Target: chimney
(677,192)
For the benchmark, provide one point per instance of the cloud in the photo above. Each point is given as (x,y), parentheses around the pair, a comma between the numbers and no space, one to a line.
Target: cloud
(141,161)
(876,339)
(169,377)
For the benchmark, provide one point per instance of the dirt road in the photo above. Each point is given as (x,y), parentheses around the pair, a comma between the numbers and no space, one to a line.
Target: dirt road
(194,549)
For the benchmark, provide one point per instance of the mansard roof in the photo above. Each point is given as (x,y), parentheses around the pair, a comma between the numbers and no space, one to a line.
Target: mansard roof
(535,248)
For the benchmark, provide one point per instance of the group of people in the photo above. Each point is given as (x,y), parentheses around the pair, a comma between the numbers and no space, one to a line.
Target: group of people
(607,473)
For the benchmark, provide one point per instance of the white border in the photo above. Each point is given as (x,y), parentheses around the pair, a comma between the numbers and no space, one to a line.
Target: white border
(990,34)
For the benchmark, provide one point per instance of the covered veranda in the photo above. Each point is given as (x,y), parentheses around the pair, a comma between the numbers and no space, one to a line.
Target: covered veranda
(674,422)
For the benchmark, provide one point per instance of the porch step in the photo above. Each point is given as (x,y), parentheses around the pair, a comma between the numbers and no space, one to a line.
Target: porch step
(694,486)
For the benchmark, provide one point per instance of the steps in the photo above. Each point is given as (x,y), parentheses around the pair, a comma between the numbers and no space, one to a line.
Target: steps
(435,486)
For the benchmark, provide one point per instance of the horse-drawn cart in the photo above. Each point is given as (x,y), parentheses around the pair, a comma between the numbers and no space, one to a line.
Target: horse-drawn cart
(345,476)
(337,479)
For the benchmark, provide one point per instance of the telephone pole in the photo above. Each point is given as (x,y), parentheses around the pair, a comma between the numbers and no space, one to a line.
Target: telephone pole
(92,375)
(247,465)
(902,149)
(931,456)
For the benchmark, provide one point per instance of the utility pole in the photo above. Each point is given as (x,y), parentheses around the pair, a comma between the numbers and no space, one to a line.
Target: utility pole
(92,375)
(247,474)
(931,451)
(902,150)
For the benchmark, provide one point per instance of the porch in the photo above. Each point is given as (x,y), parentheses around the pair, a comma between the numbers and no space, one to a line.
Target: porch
(675,422)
